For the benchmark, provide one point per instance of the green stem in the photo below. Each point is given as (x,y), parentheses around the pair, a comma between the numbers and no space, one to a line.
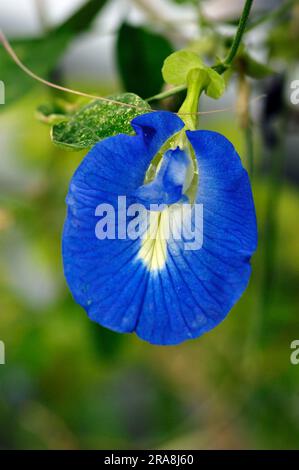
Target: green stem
(188,111)
(223,66)
(239,34)
(273,15)
(167,93)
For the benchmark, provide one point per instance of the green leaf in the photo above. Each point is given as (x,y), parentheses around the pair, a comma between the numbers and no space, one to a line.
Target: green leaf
(283,43)
(49,118)
(177,66)
(82,18)
(216,85)
(98,120)
(140,56)
(253,68)
(42,55)
(39,55)
(108,344)
(58,110)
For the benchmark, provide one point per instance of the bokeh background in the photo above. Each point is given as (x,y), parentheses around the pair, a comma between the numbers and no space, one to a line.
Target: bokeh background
(71,384)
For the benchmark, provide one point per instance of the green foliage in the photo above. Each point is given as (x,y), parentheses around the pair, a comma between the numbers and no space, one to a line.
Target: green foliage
(70,383)
(216,84)
(58,110)
(252,68)
(107,344)
(82,18)
(51,114)
(98,120)
(42,55)
(177,67)
(140,56)
(283,42)
(39,55)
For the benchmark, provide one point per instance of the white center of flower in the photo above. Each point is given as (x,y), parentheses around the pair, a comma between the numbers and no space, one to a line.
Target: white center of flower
(163,227)
(153,250)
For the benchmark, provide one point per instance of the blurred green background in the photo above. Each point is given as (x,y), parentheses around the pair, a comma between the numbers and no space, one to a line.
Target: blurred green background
(71,384)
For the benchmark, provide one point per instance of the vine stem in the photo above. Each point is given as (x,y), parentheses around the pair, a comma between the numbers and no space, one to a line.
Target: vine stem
(239,34)
(31,74)
(222,66)
(167,93)
(197,82)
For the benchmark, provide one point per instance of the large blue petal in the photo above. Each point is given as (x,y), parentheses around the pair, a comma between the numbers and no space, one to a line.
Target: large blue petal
(99,272)
(194,290)
(199,287)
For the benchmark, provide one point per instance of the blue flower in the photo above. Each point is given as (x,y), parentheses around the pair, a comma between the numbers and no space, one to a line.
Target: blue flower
(155,286)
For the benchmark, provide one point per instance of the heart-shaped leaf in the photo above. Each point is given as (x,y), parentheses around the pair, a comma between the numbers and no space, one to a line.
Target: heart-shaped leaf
(98,120)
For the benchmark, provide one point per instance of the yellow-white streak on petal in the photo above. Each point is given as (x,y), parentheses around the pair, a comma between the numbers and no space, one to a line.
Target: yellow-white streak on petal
(153,250)
(161,227)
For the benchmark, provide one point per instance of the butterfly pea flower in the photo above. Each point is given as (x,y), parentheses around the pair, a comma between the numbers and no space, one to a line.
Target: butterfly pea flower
(154,285)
